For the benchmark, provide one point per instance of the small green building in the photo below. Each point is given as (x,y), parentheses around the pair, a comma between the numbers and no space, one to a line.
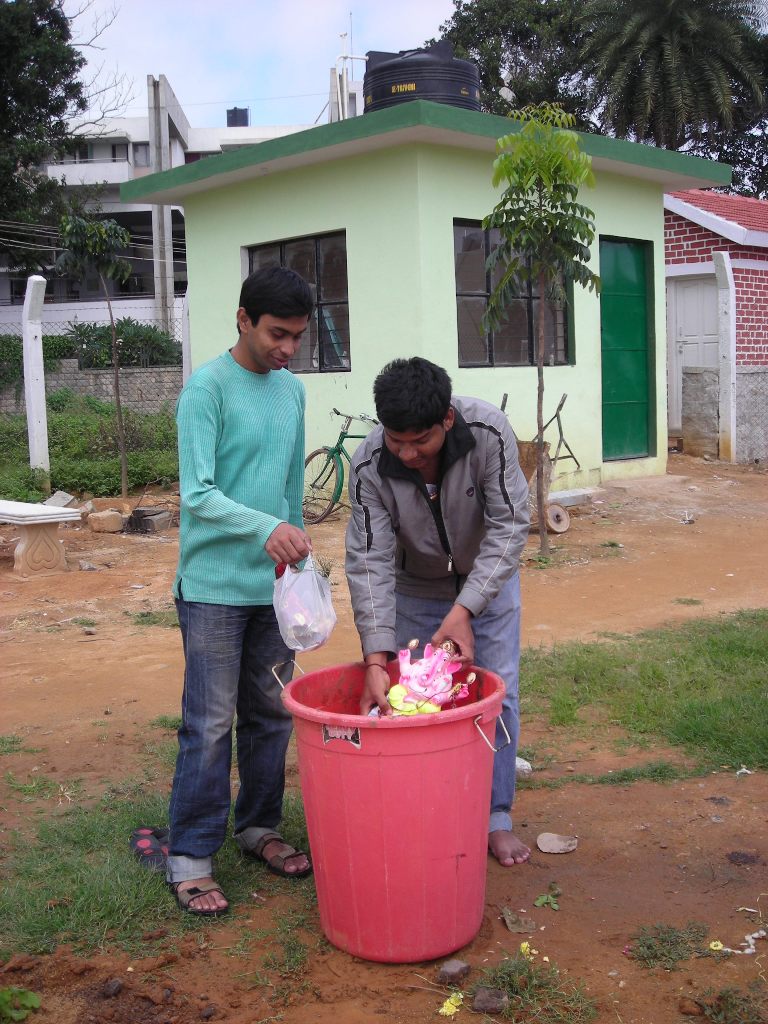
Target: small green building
(383,214)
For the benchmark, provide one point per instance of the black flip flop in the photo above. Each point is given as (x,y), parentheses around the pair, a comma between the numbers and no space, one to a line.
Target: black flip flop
(150,847)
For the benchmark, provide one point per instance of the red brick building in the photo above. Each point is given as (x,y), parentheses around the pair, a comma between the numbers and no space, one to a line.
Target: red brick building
(716,254)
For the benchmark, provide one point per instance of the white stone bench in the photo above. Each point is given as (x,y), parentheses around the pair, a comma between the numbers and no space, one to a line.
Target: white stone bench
(39,551)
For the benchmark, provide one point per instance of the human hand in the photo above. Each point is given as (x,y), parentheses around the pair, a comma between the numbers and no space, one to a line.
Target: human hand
(375,689)
(287,544)
(457,626)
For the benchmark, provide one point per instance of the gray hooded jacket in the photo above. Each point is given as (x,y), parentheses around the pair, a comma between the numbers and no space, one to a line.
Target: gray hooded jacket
(462,547)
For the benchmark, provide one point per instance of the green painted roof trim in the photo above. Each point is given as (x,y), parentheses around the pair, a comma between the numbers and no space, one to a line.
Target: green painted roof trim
(411,114)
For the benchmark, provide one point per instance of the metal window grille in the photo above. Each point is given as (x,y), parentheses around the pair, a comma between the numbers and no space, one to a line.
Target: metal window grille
(513,342)
(322,262)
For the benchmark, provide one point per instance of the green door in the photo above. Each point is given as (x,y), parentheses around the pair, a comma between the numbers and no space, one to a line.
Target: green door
(626,349)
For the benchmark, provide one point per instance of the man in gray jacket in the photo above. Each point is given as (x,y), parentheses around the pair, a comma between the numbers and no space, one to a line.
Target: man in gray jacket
(439,520)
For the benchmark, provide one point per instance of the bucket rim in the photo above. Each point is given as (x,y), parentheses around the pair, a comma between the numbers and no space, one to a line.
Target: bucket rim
(480,707)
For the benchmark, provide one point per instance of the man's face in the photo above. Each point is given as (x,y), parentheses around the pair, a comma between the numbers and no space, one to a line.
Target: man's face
(269,344)
(418,449)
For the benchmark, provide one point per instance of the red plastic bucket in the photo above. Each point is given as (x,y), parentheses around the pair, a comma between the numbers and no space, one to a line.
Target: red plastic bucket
(397,815)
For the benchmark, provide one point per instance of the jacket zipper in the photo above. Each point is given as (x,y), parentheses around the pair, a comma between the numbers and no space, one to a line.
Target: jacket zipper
(437,515)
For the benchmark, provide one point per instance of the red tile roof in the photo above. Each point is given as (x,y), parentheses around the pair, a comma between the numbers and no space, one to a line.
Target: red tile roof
(751,214)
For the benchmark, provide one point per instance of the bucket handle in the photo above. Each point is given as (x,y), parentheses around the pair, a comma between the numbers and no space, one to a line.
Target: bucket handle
(485,739)
(280,664)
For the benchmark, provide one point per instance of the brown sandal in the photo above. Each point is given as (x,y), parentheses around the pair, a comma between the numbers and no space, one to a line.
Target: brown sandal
(276,863)
(184,898)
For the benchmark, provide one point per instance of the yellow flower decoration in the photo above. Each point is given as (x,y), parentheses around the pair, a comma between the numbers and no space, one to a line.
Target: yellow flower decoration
(527,952)
(451,1005)
(715,945)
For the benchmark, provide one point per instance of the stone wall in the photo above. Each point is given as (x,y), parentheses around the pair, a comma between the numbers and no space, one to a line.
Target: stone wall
(701,417)
(142,389)
(752,415)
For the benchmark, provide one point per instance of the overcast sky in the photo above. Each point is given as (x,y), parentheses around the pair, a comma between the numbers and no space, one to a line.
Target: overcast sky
(272,56)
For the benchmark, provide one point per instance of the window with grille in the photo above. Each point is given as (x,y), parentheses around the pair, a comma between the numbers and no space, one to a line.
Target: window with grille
(513,341)
(322,261)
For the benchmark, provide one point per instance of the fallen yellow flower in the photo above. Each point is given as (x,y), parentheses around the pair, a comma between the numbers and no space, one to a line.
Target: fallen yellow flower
(716,945)
(451,1005)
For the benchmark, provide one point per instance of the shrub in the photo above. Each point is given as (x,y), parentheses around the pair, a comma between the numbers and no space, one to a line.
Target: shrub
(138,344)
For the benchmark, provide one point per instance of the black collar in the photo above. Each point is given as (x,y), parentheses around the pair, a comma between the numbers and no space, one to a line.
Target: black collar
(458,441)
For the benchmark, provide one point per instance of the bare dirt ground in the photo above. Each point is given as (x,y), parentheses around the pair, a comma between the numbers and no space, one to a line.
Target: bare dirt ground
(693,850)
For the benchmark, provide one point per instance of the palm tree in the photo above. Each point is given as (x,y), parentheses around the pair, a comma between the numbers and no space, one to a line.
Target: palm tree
(667,71)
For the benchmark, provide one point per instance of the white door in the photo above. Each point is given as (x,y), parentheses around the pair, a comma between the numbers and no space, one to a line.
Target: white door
(692,338)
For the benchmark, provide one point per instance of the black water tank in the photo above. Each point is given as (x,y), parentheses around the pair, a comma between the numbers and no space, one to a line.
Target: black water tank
(428,74)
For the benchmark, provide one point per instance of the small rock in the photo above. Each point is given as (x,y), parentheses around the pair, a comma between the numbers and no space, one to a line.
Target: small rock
(112,988)
(549,842)
(88,566)
(86,508)
(490,1001)
(89,632)
(208,1012)
(59,499)
(523,768)
(452,972)
(108,521)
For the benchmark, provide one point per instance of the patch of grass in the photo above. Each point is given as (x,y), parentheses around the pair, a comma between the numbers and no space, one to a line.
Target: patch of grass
(664,945)
(731,1006)
(672,684)
(10,744)
(538,992)
(654,771)
(75,881)
(83,622)
(165,753)
(39,787)
(687,601)
(167,722)
(610,544)
(165,617)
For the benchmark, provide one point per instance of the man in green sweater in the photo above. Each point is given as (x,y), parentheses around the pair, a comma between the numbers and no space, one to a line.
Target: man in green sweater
(241,464)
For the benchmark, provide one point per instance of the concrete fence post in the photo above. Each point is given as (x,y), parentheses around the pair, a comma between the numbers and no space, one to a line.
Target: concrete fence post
(34,375)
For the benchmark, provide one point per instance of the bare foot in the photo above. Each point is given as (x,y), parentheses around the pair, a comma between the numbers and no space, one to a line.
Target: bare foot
(205,903)
(507,848)
(285,858)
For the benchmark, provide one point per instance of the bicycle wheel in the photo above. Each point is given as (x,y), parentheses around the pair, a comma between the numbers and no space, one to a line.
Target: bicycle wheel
(323,480)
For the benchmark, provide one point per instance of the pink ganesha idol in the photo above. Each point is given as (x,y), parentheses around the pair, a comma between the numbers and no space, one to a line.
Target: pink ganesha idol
(426,684)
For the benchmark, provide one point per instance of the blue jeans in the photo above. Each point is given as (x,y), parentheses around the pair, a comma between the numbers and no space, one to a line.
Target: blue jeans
(497,648)
(229,652)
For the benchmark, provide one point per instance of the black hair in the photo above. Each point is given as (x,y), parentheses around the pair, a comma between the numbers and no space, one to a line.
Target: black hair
(276,291)
(412,394)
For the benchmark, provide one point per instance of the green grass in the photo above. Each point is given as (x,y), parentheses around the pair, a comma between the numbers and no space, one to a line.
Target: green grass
(83,622)
(10,744)
(167,722)
(165,617)
(663,945)
(732,1006)
(538,992)
(75,881)
(701,686)
(653,771)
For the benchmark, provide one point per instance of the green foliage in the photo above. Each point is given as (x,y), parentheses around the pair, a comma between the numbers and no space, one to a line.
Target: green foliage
(530,46)
(663,945)
(10,744)
(17,1003)
(137,344)
(90,242)
(82,442)
(732,1006)
(675,684)
(670,71)
(165,617)
(545,233)
(39,91)
(55,348)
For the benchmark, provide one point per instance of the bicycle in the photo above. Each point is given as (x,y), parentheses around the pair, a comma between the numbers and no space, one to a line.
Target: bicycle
(324,472)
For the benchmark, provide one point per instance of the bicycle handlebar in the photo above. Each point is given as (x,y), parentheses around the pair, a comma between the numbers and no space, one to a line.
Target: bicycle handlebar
(361,416)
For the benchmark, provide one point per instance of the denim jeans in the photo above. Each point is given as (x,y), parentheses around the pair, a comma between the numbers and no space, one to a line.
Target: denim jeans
(497,648)
(230,652)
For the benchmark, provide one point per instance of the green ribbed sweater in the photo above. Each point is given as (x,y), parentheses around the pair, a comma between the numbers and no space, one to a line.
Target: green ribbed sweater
(241,471)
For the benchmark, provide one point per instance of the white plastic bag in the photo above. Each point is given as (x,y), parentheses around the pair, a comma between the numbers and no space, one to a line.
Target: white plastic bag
(303,607)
